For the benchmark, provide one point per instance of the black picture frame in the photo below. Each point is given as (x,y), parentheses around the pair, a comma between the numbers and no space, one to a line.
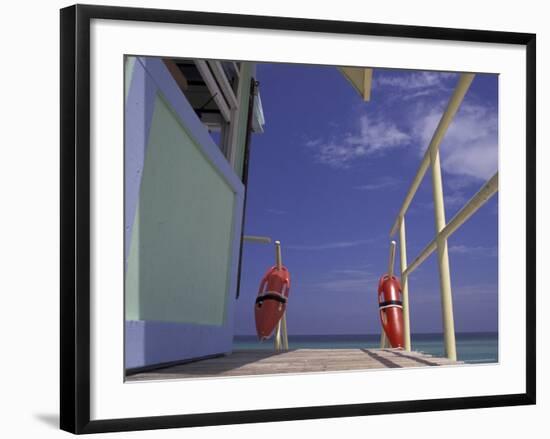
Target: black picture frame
(75,217)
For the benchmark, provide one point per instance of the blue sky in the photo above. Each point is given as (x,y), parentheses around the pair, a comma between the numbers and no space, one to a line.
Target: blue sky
(328,176)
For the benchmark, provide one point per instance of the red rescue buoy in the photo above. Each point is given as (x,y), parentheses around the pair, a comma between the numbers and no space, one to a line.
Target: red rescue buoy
(271,300)
(390,307)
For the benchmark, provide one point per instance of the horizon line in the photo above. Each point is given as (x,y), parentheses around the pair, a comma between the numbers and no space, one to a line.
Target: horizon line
(378,333)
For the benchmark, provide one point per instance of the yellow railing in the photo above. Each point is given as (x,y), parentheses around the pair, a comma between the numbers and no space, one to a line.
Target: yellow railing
(443,229)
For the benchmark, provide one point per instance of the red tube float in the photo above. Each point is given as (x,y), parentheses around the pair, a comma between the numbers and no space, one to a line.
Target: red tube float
(390,307)
(271,301)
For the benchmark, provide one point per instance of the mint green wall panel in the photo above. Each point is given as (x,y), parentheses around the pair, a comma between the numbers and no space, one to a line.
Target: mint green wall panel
(131,289)
(179,260)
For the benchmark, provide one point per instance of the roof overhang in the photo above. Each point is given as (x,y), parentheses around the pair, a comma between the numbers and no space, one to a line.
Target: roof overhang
(360,78)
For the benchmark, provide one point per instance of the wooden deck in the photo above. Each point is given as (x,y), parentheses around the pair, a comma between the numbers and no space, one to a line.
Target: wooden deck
(262,362)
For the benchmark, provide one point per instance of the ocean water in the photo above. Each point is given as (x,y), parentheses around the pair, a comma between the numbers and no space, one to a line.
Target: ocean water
(472,347)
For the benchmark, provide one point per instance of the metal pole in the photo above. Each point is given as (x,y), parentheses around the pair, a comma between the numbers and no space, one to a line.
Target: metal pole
(278,257)
(285,333)
(280,344)
(392,259)
(383,339)
(277,339)
(391,264)
(443,258)
(258,239)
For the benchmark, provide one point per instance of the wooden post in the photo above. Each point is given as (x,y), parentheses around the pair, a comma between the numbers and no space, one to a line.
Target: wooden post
(404,283)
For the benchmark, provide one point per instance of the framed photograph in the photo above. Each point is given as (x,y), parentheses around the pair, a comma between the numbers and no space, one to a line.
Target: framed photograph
(275,218)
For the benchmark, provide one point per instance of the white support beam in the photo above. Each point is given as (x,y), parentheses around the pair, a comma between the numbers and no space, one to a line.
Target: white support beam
(215,91)
(223,82)
(242,89)
(236,67)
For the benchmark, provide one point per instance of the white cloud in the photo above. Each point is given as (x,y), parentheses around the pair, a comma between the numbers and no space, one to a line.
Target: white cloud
(470,146)
(469,151)
(348,285)
(413,84)
(351,272)
(471,292)
(314,142)
(483,289)
(371,136)
(330,245)
(457,183)
(345,281)
(376,135)
(455,199)
(383,183)
(478,251)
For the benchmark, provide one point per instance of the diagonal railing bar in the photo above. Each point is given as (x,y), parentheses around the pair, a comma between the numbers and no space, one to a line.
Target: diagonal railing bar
(478,200)
(452,107)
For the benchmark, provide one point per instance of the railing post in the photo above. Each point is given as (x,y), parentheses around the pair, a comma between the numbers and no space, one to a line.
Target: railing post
(281,334)
(443,258)
(284,332)
(384,342)
(278,256)
(383,339)
(277,339)
(391,263)
(404,282)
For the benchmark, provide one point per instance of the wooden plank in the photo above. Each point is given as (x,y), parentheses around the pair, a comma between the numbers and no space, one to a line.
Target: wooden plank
(262,362)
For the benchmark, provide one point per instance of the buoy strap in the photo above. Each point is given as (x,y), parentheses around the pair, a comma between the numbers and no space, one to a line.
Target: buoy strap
(273,296)
(390,304)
